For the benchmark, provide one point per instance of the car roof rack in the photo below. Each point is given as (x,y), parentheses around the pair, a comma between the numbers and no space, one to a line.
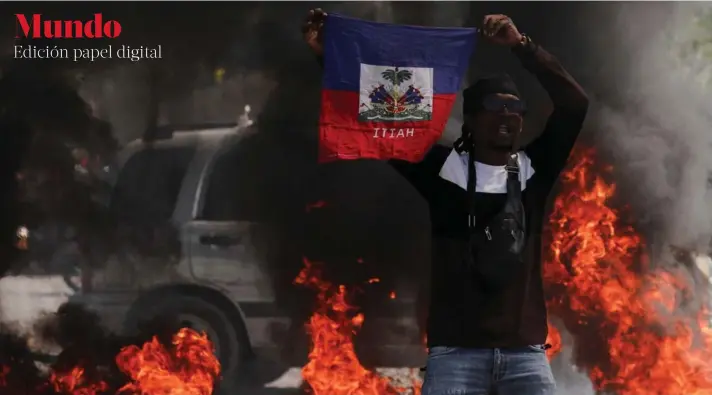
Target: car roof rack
(165,132)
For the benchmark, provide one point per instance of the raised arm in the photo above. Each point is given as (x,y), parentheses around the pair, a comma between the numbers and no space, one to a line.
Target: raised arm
(312,33)
(551,150)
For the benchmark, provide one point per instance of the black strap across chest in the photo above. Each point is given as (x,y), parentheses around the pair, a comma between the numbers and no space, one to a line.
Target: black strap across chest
(514,187)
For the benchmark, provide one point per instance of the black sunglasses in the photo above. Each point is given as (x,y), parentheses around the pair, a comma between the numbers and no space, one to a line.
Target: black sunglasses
(499,104)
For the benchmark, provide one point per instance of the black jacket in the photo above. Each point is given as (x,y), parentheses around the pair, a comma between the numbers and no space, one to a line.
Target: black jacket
(462,313)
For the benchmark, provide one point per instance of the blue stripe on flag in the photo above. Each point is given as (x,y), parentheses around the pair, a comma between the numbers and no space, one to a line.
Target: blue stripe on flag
(348,42)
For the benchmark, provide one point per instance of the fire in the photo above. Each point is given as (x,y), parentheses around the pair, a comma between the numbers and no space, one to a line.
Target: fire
(333,367)
(601,285)
(188,367)
(554,340)
(75,383)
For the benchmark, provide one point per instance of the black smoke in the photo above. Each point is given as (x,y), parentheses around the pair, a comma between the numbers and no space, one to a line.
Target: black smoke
(85,345)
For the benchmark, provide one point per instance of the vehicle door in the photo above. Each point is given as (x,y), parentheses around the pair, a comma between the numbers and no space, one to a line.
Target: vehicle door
(143,201)
(222,236)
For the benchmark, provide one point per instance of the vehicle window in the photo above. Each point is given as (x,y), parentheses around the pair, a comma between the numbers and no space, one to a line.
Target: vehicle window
(232,188)
(148,185)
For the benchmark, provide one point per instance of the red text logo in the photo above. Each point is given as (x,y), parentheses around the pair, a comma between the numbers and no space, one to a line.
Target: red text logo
(33,26)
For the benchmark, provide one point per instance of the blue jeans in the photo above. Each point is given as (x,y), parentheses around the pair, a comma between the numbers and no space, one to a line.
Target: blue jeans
(471,371)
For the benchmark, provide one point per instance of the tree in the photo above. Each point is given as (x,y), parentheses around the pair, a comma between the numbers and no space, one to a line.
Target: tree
(396,76)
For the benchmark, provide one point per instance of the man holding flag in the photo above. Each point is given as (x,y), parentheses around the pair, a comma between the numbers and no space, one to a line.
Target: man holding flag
(487,320)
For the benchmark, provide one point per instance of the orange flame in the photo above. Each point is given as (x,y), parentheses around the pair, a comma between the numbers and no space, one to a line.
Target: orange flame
(74,382)
(554,340)
(333,367)
(189,367)
(603,288)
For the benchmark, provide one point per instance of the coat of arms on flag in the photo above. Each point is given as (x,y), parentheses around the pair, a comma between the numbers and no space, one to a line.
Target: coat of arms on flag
(387,90)
(396,93)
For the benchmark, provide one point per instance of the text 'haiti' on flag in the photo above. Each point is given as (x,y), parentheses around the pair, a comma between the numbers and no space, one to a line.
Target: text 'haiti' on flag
(388,90)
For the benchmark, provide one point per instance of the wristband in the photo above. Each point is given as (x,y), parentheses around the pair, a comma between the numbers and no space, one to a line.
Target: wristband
(524,45)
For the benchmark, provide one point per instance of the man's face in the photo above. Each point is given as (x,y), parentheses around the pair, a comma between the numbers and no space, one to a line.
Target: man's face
(497,121)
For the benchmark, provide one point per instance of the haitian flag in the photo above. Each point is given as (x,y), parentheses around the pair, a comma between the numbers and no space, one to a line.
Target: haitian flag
(388,90)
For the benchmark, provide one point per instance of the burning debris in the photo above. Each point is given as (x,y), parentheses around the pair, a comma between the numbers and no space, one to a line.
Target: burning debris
(190,367)
(92,362)
(634,333)
(333,367)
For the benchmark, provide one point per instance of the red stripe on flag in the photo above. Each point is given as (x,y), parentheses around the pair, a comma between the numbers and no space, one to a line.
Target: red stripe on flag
(343,136)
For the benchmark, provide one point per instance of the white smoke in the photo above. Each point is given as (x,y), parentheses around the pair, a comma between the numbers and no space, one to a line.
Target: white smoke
(658,126)
(651,119)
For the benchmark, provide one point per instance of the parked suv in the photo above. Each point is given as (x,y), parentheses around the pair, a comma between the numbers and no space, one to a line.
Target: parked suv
(180,185)
(188,186)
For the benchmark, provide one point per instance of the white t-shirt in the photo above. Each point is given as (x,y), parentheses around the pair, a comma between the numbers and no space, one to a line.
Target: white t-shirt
(490,179)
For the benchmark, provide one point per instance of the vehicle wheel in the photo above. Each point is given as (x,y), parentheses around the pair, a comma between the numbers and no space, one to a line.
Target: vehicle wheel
(199,314)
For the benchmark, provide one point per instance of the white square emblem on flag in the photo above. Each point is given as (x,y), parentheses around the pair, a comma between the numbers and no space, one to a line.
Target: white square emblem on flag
(389,94)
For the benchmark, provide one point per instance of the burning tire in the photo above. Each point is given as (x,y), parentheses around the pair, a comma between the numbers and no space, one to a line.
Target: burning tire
(201,314)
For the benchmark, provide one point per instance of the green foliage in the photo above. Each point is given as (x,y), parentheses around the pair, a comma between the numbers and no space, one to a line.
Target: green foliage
(703,44)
